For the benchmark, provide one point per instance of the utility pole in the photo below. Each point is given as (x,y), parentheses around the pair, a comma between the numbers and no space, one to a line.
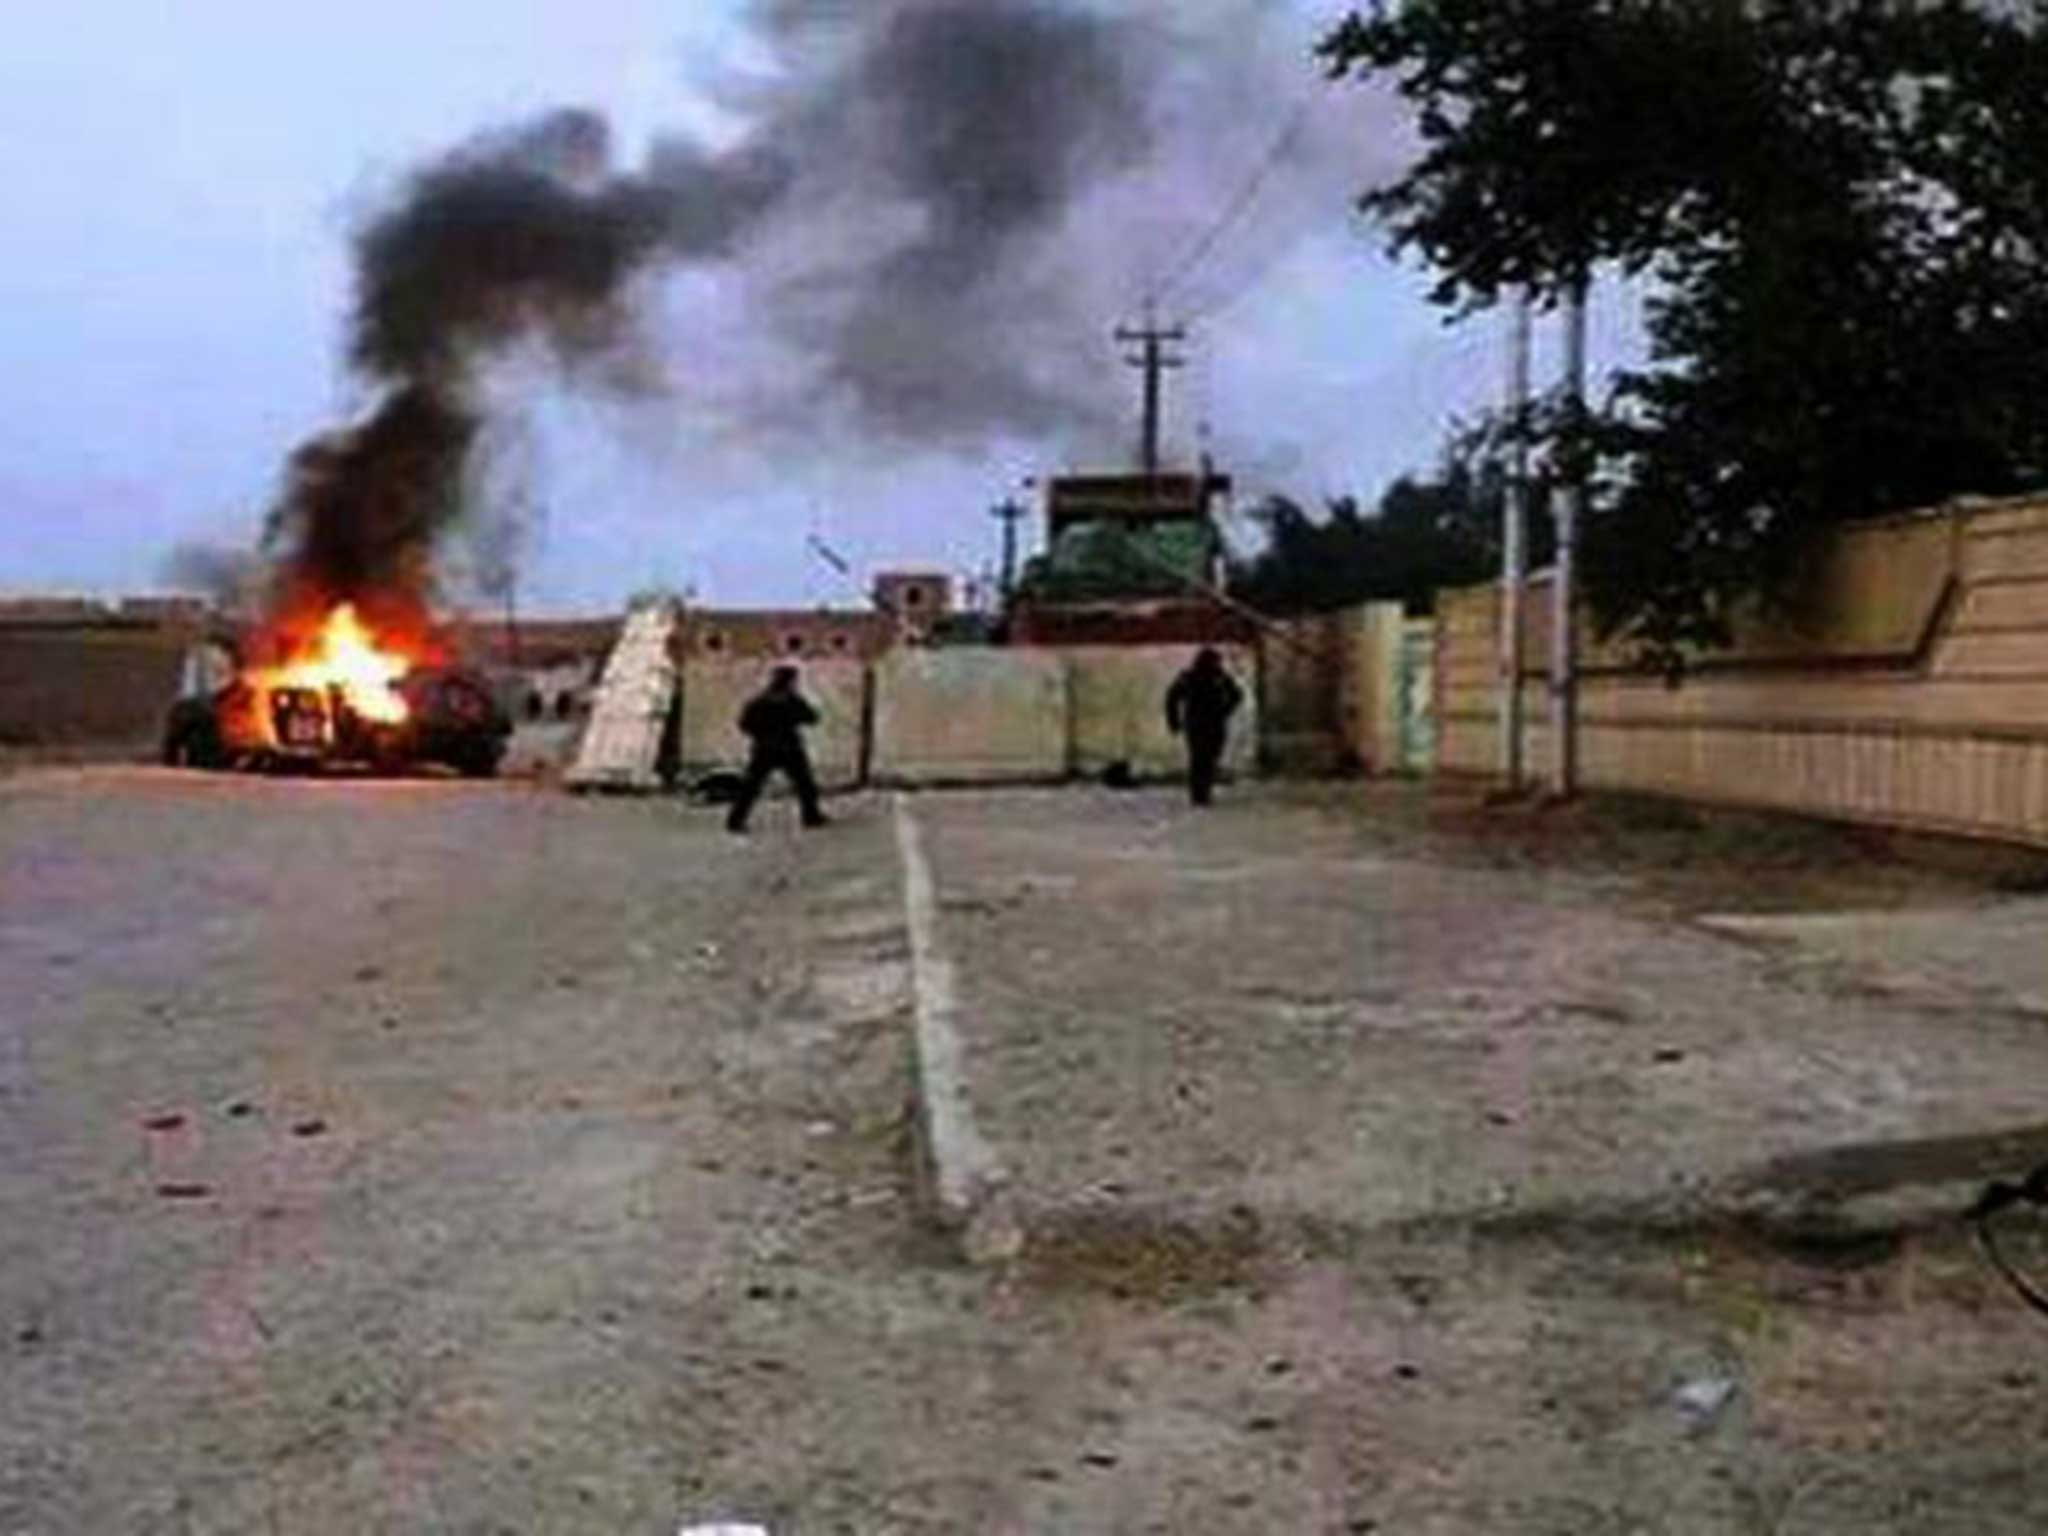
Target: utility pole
(1570,505)
(1154,360)
(1009,513)
(1515,552)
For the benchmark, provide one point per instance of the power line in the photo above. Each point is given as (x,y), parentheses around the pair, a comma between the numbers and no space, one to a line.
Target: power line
(1239,205)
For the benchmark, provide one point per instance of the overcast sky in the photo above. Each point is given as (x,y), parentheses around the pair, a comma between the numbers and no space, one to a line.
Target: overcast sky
(182,178)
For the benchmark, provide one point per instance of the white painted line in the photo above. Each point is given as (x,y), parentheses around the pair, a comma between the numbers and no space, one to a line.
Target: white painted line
(968,1179)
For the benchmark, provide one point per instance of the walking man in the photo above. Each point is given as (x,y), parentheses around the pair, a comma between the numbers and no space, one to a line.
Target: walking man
(1199,706)
(774,721)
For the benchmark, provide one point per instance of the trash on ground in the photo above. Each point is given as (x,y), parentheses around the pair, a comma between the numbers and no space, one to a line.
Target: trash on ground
(1702,1399)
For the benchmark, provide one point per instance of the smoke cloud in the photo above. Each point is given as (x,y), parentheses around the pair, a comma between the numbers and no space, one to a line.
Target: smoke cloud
(933,212)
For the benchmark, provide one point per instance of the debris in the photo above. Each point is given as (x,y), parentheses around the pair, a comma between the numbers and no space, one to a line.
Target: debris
(389,1021)
(369,973)
(726,1529)
(717,788)
(184,1191)
(1702,1399)
(310,1128)
(818,1130)
(1418,1290)
(1406,1372)
(621,744)
(1099,1459)
(1264,1423)
(1668,1055)
(166,1122)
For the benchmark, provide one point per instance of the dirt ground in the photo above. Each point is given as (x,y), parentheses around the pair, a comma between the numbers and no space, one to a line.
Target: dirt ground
(442,1157)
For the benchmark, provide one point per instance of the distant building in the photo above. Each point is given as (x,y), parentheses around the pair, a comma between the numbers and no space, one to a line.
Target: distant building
(909,605)
(78,671)
(1171,510)
(796,634)
(919,601)
(189,612)
(1131,559)
(1190,621)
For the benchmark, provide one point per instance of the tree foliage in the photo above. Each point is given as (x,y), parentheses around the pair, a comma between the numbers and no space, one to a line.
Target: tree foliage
(1841,210)
(1426,534)
(1099,561)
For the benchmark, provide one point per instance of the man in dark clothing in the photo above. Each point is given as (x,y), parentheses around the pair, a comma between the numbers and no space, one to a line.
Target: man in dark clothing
(1199,706)
(774,721)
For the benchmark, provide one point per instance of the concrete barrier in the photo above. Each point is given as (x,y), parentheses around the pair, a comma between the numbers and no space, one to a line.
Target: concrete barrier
(970,716)
(714,693)
(1117,700)
(87,687)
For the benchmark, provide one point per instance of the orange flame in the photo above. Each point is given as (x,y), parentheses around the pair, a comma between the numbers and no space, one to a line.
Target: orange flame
(345,656)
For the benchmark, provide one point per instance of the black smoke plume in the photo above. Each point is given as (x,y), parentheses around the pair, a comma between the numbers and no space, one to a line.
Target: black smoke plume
(520,236)
(930,215)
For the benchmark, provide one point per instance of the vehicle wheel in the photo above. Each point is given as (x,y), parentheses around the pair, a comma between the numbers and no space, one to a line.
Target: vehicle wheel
(478,765)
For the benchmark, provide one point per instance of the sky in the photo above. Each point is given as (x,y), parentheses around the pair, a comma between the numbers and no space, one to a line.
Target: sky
(183,180)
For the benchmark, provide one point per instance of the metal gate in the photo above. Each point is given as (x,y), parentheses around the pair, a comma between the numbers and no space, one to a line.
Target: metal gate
(1417,695)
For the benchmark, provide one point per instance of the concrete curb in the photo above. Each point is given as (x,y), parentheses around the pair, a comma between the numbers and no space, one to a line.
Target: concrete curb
(962,1179)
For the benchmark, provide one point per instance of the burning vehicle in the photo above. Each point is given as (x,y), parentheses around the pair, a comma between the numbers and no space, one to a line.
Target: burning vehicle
(343,700)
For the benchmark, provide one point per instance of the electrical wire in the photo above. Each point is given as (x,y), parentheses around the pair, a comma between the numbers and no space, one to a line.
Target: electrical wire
(1238,206)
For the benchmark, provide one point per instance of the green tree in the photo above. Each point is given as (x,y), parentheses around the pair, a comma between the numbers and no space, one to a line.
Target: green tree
(1841,207)
(1425,535)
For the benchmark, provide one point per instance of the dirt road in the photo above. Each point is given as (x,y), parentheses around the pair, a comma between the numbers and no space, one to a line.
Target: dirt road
(436,1157)
(427,1157)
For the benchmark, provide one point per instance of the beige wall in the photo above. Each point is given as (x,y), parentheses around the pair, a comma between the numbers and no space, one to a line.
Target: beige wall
(1301,686)
(970,715)
(1118,708)
(714,693)
(1912,691)
(1368,685)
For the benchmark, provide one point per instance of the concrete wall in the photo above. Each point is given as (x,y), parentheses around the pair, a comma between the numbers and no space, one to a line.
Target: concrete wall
(87,687)
(714,693)
(1117,703)
(1368,684)
(1302,686)
(1911,691)
(970,716)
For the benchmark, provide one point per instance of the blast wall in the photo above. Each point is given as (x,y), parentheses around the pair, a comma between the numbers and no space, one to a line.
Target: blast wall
(1910,690)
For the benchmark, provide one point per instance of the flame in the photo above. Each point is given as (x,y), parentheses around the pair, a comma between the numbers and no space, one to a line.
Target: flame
(344,656)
